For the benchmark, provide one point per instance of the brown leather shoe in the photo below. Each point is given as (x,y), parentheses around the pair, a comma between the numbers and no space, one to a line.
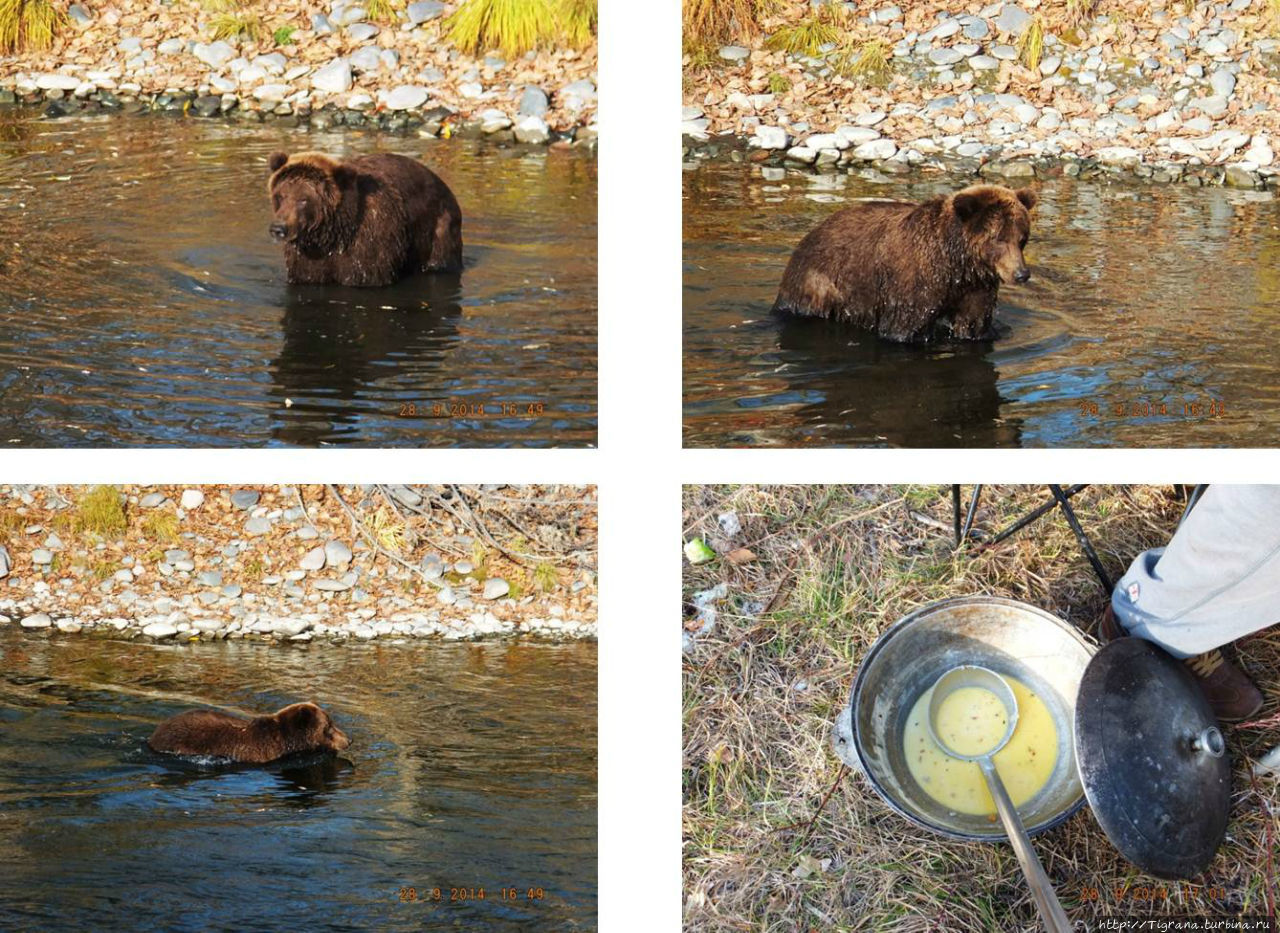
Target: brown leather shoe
(1228,689)
(1109,629)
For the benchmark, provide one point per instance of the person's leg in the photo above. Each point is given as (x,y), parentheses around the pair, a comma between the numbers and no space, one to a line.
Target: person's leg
(1216,581)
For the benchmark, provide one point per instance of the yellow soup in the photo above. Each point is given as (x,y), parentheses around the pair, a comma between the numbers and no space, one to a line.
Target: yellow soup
(1024,764)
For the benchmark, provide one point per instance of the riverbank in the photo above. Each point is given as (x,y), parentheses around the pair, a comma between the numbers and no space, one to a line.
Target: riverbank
(336,68)
(1011,91)
(296,564)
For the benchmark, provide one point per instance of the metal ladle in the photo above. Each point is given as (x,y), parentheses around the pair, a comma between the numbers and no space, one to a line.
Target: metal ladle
(1051,912)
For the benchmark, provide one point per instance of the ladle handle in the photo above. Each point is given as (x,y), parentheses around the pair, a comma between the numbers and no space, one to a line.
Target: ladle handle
(1051,912)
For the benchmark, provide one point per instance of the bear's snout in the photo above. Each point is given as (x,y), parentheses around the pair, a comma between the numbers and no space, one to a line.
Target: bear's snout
(340,740)
(278,231)
(1022,275)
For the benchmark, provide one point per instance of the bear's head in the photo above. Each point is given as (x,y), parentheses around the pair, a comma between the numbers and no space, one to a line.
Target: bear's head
(996,222)
(307,192)
(306,727)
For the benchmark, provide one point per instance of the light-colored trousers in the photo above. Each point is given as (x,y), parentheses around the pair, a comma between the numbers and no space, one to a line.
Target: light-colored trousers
(1218,579)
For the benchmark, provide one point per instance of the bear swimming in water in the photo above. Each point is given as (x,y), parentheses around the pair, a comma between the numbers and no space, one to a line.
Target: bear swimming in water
(296,729)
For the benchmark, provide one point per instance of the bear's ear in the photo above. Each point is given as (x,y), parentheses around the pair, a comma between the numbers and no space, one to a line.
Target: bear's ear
(344,176)
(276,160)
(970,205)
(1028,197)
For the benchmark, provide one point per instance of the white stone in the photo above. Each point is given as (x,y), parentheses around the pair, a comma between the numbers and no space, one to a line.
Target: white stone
(333,78)
(38,620)
(215,54)
(769,137)
(49,82)
(192,499)
(1118,155)
(532,129)
(160,630)
(406,97)
(876,149)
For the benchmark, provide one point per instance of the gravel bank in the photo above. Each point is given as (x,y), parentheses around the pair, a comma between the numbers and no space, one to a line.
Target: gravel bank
(1170,93)
(197,564)
(335,69)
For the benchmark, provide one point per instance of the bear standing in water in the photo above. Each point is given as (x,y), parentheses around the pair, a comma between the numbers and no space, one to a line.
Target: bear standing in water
(911,272)
(296,729)
(364,221)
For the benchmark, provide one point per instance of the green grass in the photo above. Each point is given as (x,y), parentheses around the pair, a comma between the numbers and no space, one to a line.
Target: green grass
(778,84)
(29,25)
(387,529)
(545,577)
(253,566)
(282,35)
(514,27)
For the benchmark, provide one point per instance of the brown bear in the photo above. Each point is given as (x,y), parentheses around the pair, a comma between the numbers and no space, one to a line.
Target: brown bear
(912,272)
(299,728)
(363,221)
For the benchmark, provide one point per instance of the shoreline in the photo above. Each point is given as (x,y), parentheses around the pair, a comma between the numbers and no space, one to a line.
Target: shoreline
(333,64)
(848,156)
(435,123)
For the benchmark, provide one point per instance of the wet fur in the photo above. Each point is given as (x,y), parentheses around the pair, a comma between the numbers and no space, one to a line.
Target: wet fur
(296,729)
(380,217)
(912,272)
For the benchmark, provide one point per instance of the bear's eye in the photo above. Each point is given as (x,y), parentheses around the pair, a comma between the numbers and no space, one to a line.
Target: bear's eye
(1022,244)
(276,201)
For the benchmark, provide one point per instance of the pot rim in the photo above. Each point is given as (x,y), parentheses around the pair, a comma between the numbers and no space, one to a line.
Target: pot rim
(878,646)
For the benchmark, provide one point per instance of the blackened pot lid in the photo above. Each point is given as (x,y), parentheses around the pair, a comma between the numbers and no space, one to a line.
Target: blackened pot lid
(1152,759)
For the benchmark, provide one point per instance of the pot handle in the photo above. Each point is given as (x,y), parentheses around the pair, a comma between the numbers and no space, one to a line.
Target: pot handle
(1051,912)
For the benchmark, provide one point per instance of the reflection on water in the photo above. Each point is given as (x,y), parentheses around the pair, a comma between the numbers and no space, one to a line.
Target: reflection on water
(1149,321)
(143,303)
(470,765)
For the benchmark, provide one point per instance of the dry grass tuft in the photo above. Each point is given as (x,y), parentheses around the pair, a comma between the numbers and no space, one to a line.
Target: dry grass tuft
(29,25)
(514,27)
(712,23)
(824,26)
(1031,43)
(763,687)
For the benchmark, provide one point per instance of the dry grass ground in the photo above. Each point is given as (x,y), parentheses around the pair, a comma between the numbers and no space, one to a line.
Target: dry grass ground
(834,567)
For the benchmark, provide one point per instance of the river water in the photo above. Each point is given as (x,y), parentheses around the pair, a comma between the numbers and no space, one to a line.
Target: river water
(142,302)
(471,766)
(1150,320)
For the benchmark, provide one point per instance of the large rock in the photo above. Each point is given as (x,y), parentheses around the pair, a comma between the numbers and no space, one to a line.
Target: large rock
(532,129)
(333,78)
(52,81)
(496,588)
(875,150)
(245,498)
(314,559)
(215,54)
(769,137)
(422,12)
(192,499)
(578,94)
(160,630)
(362,32)
(1013,19)
(38,620)
(534,103)
(406,97)
(337,553)
(367,60)
(273,93)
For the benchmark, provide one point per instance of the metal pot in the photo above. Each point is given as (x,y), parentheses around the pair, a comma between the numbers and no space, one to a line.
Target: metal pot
(1004,635)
